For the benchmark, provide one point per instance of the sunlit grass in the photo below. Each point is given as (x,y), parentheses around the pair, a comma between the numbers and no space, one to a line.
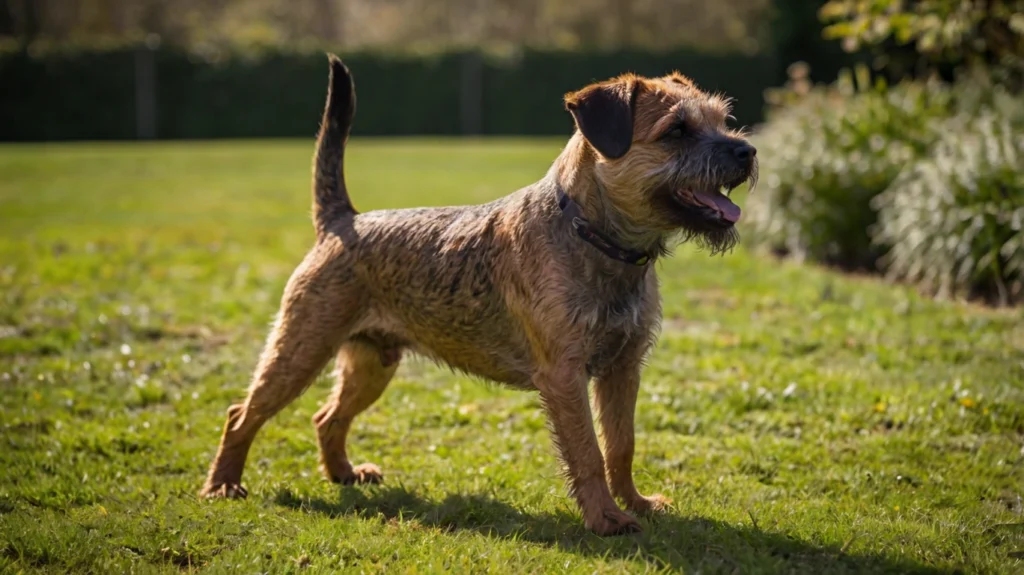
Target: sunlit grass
(799,420)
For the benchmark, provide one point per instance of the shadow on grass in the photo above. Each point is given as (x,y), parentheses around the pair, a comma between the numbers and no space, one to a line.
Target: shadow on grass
(668,541)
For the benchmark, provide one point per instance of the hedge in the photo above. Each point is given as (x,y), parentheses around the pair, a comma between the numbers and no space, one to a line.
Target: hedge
(92,94)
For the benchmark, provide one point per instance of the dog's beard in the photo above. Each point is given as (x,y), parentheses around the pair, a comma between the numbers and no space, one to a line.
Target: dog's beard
(714,241)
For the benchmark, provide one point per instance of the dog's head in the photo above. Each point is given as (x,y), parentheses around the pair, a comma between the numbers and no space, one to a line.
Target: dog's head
(665,158)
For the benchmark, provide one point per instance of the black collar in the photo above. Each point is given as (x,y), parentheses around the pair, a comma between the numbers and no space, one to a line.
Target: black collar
(572,212)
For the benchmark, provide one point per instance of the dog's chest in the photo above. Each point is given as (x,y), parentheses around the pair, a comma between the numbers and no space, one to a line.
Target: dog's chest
(612,320)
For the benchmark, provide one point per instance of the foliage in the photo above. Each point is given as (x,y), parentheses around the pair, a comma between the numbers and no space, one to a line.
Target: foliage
(802,422)
(419,24)
(985,32)
(831,151)
(955,219)
(936,168)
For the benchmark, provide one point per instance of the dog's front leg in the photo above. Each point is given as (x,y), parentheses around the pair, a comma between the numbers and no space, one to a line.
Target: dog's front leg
(563,388)
(615,401)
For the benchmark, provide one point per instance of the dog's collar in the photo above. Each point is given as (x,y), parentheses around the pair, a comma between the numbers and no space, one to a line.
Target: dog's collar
(573,213)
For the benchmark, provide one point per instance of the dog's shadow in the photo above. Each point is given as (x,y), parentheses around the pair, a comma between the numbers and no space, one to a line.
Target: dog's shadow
(668,542)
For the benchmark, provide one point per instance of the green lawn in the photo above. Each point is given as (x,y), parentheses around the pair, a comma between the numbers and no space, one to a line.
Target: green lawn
(801,421)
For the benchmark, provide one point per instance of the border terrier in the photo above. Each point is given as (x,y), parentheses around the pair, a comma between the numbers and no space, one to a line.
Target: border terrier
(545,289)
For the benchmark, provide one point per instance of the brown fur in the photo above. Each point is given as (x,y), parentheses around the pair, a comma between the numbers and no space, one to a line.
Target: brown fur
(505,290)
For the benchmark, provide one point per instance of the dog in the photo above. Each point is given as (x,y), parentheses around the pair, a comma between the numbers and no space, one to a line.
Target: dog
(545,289)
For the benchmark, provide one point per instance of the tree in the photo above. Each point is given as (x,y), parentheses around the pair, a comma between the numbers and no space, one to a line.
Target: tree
(208,25)
(960,33)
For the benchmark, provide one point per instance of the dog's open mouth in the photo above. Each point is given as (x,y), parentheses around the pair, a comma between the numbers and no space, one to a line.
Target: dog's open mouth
(714,199)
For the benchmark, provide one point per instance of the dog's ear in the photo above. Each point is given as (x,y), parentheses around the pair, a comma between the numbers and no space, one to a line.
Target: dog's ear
(604,114)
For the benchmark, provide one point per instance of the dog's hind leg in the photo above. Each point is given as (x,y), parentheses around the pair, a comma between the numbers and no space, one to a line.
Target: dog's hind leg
(318,309)
(364,370)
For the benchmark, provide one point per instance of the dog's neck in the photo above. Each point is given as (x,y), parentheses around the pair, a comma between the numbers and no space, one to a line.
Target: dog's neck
(574,171)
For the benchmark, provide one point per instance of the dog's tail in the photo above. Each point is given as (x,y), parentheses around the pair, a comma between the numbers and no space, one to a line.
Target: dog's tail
(330,196)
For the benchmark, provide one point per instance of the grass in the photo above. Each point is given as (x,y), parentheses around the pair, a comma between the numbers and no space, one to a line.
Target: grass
(801,421)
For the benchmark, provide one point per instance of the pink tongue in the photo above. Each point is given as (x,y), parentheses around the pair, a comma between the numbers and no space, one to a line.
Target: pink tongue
(720,203)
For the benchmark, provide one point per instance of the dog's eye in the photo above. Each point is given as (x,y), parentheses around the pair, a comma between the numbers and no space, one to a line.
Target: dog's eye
(674,133)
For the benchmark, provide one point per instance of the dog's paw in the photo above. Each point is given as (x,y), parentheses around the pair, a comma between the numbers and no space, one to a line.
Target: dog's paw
(223,491)
(366,473)
(614,522)
(647,505)
(360,474)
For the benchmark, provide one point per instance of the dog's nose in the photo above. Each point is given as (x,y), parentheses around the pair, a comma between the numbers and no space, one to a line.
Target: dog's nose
(744,152)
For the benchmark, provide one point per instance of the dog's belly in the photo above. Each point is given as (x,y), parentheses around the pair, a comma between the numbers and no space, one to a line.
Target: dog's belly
(496,365)
(484,348)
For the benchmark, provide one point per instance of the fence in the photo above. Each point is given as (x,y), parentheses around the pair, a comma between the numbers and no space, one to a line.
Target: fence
(169,94)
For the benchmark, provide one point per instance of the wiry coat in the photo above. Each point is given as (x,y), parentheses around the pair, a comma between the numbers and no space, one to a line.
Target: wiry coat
(505,290)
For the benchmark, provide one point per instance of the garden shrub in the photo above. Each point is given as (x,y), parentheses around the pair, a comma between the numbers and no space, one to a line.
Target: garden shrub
(826,156)
(923,182)
(953,222)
